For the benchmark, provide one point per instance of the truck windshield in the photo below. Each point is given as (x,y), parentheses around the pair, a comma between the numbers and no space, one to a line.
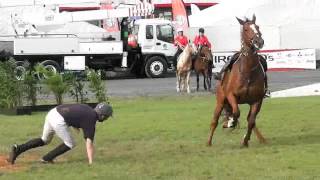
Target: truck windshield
(165,33)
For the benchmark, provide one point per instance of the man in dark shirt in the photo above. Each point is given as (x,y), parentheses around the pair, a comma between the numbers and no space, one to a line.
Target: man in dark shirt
(57,121)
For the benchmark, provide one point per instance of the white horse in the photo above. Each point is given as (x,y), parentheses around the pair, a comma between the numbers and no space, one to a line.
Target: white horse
(184,66)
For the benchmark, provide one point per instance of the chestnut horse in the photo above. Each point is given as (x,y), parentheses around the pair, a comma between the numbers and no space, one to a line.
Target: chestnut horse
(184,66)
(203,65)
(243,84)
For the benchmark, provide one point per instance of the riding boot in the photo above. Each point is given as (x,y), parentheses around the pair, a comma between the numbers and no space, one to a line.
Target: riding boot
(218,75)
(18,149)
(62,148)
(176,56)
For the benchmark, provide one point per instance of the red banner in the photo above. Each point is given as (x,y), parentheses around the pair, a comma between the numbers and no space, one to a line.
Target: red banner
(111,24)
(179,14)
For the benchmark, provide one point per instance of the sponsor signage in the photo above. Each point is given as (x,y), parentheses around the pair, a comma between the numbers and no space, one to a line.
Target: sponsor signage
(277,59)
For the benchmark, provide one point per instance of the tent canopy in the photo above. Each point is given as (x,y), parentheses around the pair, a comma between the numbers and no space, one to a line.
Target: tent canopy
(284,23)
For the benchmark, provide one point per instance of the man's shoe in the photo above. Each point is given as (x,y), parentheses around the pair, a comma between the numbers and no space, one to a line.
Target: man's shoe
(13,154)
(46,162)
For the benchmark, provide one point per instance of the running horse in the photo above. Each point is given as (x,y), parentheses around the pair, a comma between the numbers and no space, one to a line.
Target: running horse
(184,66)
(243,84)
(203,64)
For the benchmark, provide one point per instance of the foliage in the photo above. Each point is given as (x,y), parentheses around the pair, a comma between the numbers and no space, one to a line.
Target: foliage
(30,81)
(97,85)
(165,138)
(11,93)
(77,88)
(55,83)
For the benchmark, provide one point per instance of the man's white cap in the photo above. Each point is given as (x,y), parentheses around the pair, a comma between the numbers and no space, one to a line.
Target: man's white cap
(179,30)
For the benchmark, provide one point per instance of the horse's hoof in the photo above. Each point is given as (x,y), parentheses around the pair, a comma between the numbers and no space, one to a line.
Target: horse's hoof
(244,144)
(263,141)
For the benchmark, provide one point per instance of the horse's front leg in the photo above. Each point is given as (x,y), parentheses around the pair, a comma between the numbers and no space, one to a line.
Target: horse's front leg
(178,82)
(215,121)
(188,81)
(197,81)
(235,110)
(254,110)
(204,81)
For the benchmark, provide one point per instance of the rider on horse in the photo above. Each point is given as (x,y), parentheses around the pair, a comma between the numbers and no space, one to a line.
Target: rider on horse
(200,41)
(229,63)
(181,42)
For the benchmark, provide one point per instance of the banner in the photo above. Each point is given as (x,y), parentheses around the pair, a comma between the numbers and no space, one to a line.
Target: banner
(179,14)
(276,59)
(110,24)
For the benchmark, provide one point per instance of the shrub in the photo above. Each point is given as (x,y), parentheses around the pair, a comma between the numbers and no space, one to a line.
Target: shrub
(31,89)
(97,85)
(54,82)
(77,90)
(11,91)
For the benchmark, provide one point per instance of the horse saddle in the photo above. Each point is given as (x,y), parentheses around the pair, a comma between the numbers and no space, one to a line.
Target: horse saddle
(235,57)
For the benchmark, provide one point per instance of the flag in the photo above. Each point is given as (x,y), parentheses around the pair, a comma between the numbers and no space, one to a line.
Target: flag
(110,24)
(179,14)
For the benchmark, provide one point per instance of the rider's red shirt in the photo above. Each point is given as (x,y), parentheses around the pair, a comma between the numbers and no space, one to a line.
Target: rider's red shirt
(202,40)
(183,40)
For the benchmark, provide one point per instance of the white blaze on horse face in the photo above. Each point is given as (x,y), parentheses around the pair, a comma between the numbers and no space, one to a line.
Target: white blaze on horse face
(254,29)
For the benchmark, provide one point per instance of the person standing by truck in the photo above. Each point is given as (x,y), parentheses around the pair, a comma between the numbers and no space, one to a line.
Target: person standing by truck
(181,42)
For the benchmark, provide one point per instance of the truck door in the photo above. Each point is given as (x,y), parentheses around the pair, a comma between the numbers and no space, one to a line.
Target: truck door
(164,40)
(148,43)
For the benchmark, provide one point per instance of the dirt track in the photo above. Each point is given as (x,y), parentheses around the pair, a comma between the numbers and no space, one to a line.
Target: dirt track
(7,167)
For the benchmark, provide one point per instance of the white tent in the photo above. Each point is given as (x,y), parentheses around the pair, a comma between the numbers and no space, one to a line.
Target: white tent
(285,24)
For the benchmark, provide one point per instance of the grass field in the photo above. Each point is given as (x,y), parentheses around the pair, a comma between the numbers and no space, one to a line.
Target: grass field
(165,137)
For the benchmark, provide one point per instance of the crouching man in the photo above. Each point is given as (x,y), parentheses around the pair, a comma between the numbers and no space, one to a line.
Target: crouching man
(57,122)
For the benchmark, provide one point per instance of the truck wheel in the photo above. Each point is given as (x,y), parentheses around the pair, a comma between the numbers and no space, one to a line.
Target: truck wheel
(49,65)
(156,67)
(21,69)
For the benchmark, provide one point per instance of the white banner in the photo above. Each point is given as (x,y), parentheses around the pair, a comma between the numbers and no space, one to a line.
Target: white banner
(277,59)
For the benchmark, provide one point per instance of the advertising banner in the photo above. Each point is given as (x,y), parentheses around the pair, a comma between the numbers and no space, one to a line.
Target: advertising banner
(277,59)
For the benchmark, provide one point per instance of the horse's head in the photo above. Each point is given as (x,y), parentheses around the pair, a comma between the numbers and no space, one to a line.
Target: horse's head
(190,49)
(205,52)
(251,34)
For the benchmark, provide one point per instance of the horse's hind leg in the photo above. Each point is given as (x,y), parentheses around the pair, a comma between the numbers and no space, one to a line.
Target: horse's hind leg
(260,137)
(254,110)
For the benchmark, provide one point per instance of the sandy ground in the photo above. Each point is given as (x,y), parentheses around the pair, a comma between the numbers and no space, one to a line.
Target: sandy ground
(7,167)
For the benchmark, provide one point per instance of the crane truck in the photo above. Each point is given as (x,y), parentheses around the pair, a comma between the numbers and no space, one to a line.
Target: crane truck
(149,50)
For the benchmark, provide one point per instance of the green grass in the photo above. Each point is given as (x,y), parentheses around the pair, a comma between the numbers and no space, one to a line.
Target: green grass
(165,137)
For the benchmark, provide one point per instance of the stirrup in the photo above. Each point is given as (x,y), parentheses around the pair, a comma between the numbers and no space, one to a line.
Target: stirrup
(217,76)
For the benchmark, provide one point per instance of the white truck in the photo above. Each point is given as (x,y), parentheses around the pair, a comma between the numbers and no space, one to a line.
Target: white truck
(153,55)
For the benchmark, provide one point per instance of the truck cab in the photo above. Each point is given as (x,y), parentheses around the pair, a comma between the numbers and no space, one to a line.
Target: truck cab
(155,39)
